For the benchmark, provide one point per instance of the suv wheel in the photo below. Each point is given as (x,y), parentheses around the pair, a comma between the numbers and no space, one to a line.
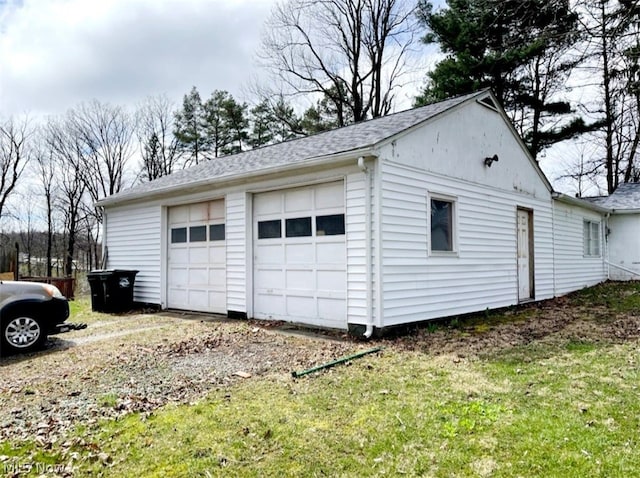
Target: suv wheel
(21,333)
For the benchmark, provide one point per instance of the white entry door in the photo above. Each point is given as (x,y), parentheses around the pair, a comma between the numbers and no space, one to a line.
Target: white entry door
(300,255)
(525,255)
(196,272)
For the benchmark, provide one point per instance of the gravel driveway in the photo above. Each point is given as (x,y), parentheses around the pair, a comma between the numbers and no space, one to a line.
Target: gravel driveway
(140,362)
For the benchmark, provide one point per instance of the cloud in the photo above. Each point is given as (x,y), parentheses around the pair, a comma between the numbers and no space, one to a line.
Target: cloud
(56,53)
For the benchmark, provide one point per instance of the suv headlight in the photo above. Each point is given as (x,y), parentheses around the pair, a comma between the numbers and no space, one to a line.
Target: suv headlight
(53,291)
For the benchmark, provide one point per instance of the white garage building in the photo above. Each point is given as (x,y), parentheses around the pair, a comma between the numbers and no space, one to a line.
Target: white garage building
(432,212)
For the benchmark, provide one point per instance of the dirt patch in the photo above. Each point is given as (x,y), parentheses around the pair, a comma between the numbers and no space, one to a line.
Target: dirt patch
(550,322)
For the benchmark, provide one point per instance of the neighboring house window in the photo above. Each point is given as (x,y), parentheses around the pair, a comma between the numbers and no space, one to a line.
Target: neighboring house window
(442,224)
(591,231)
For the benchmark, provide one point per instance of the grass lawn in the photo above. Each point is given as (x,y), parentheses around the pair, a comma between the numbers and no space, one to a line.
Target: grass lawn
(552,408)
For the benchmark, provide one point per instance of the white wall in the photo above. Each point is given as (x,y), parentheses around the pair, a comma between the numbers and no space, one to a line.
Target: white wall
(455,144)
(418,285)
(446,157)
(133,241)
(238,237)
(574,270)
(624,246)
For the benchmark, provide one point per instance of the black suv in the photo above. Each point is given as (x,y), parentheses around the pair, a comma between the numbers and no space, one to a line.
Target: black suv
(29,312)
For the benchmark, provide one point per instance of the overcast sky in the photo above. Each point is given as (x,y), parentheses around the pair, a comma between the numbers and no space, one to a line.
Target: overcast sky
(57,53)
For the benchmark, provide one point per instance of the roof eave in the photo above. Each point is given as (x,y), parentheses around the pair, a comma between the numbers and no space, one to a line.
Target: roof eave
(626,211)
(579,202)
(328,160)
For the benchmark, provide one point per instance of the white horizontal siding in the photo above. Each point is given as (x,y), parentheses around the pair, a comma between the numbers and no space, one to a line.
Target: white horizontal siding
(574,270)
(482,274)
(356,237)
(238,237)
(133,241)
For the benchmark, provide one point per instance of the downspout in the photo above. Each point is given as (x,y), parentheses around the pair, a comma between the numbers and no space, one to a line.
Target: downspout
(369,270)
(605,245)
(105,252)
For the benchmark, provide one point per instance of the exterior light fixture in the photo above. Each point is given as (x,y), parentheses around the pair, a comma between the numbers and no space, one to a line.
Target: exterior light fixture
(488,161)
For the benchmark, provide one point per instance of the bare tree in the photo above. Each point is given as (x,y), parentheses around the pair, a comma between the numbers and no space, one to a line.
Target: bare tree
(158,146)
(105,133)
(69,153)
(353,52)
(14,155)
(613,49)
(46,170)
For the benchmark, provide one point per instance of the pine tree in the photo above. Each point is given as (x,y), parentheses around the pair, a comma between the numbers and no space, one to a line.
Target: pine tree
(190,128)
(518,48)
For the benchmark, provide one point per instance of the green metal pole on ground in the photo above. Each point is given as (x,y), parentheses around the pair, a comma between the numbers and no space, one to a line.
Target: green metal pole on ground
(335,362)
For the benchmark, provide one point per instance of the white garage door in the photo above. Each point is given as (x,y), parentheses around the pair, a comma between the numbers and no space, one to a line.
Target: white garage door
(300,255)
(197,258)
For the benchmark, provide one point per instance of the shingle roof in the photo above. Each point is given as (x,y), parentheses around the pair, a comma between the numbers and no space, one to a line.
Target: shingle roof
(349,138)
(625,197)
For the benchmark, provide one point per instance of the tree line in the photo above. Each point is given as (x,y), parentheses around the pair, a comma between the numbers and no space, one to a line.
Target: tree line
(563,71)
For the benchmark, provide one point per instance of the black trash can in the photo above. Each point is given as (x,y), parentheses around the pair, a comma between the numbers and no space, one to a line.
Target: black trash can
(97,290)
(112,289)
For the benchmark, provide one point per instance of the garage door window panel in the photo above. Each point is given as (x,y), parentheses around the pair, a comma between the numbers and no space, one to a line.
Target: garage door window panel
(178,235)
(331,225)
(198,234)
(217,232)
(298,227)
(270,229)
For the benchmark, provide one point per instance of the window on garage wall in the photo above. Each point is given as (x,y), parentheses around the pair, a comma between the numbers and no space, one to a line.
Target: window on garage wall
(442,223)
(591,232)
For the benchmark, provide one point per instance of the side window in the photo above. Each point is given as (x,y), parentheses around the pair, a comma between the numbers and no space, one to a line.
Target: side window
(298,227)
(216,232)
(178,235)
(270,229)
(442,224)
(332,225)
(591,233)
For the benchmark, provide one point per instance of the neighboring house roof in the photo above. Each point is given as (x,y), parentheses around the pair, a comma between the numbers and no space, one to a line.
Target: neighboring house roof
(625,198)
(356,139)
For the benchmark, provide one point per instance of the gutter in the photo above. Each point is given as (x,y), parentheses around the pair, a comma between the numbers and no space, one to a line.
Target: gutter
(625,211)
(306,163)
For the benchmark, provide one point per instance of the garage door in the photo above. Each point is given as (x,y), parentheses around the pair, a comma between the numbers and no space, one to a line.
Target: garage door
(196,273)
(300,255)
